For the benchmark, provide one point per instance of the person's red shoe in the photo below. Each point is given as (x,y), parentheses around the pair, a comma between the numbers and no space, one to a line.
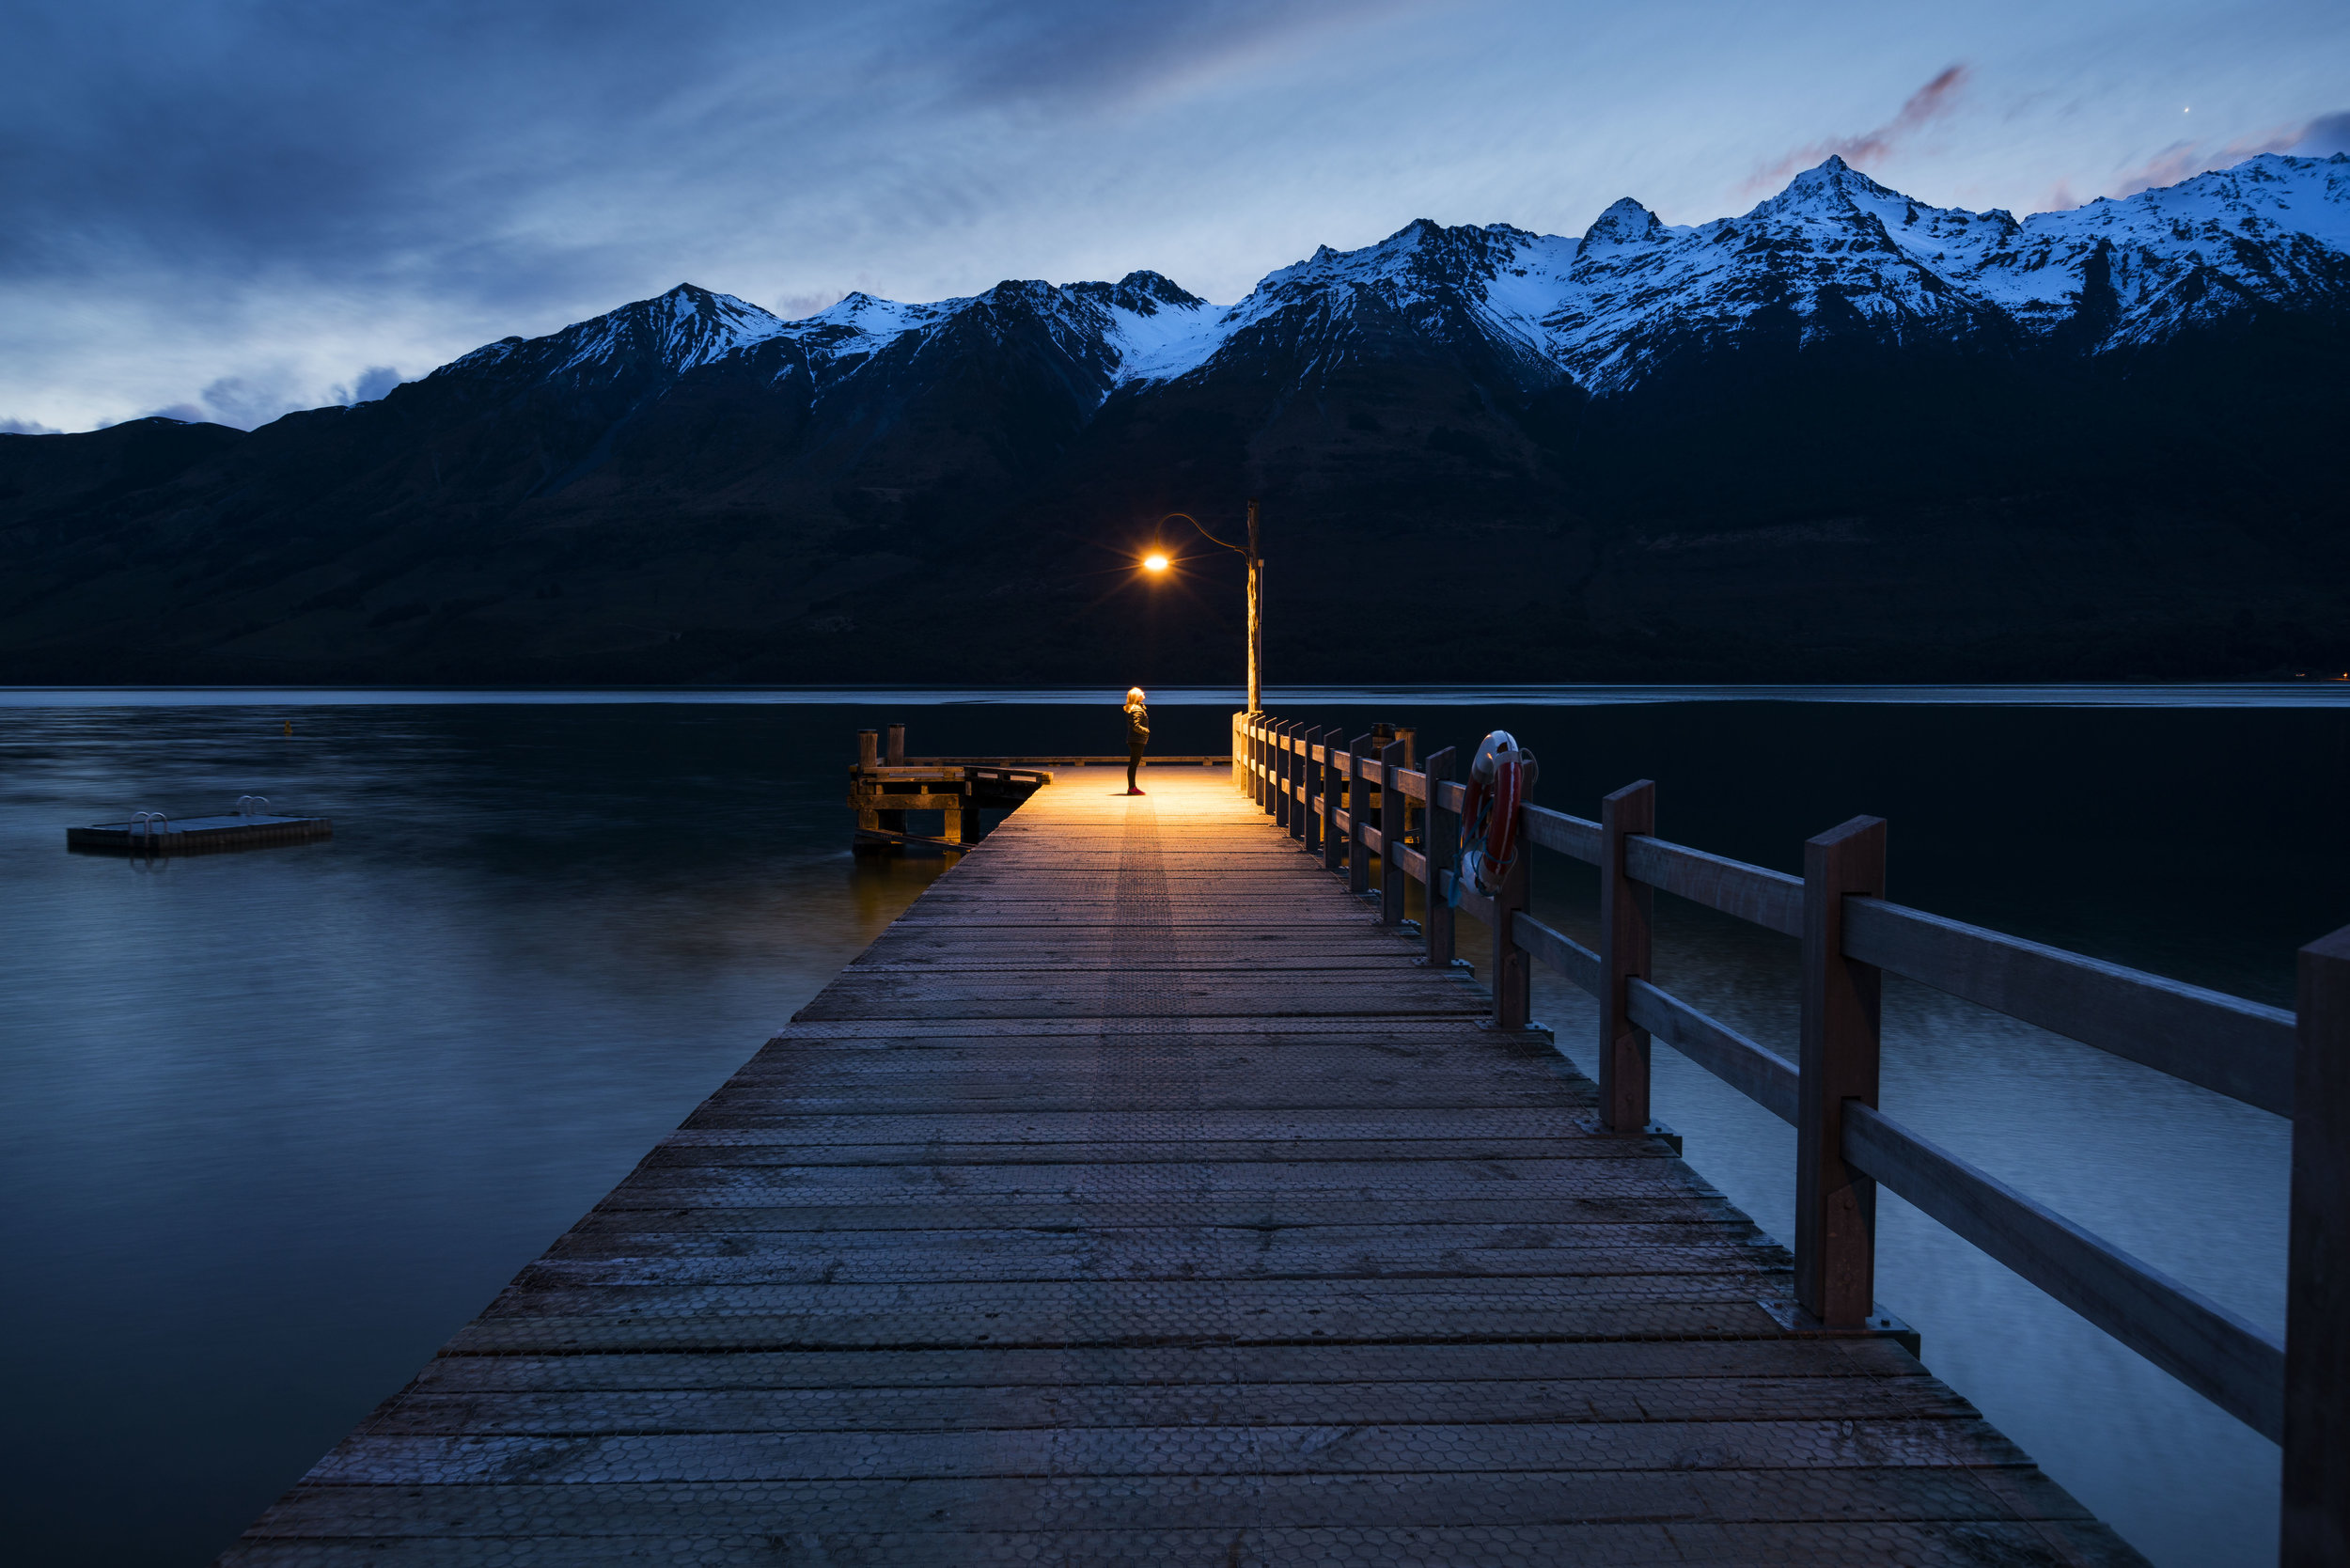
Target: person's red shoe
(1134,791)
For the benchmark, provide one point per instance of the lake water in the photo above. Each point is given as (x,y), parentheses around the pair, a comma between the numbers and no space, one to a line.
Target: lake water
(273,1124)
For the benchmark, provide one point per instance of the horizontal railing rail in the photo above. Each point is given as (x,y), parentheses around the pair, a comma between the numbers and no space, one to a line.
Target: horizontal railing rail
(2214,1351)
(1352,799)
(2221,1043)
(1755,1071)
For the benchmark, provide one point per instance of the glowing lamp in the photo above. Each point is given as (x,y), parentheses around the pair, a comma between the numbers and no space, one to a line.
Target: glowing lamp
(1156,561)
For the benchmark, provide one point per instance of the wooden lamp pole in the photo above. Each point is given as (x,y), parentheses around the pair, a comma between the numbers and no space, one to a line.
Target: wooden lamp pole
(1255,596)
(1255,617)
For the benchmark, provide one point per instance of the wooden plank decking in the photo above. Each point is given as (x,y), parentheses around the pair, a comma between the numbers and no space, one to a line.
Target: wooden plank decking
(1135,1198)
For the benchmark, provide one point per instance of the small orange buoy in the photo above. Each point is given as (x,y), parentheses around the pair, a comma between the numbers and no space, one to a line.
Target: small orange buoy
(289,727)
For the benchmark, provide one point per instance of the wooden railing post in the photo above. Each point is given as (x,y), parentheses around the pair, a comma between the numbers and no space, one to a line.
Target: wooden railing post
(1296,778)
(1309,814)
(1441,844)
(1262,753)
(869,748)
(897,753)
(1274,760)
(1333,841)
(1301,777)
(1289,772)
(1626,911)
(1836,1205)
(1357,858)
(1513,970)
(1393,806)
(2316,1523)
(1279,741)
(1409,739)
(1239,772)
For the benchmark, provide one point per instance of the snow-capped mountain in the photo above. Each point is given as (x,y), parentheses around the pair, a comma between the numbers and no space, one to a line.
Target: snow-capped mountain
(1835,255)
(1836,252)
(1843,433)
(1113,332)
(675,331)
(1140,328)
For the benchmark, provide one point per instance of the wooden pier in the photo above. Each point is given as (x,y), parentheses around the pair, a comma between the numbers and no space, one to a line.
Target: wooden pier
(1145,1195)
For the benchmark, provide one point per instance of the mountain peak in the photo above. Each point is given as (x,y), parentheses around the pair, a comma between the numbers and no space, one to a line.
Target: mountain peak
(1831,178)
(1158,286)
(1625,223)
(1028,290)
(1418,233)
(1144,293)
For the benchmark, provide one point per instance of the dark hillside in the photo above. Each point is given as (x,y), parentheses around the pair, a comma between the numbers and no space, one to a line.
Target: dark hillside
(1811,444)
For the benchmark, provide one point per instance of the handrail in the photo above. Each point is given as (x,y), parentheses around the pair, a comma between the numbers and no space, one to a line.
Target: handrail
(1561,952)
(2202,1344)
(1762,1075)
(2006,973)
(1772,899)
(2224,1043)
(1478,904)
(1556,830)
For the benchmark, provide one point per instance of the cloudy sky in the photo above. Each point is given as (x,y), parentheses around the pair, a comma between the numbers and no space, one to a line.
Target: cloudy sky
(229,210)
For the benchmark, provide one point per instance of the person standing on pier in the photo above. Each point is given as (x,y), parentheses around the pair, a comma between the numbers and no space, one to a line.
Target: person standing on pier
(1138,735)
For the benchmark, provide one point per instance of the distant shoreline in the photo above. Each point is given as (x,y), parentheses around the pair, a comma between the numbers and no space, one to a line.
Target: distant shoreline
(2207,694)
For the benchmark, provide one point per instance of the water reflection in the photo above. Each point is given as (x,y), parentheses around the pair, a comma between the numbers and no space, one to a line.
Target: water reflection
(277,1123)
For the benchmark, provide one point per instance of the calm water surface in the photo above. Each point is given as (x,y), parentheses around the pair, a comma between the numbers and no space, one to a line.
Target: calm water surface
(273,1124)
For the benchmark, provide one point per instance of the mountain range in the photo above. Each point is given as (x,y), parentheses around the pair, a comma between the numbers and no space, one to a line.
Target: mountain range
(1843,435)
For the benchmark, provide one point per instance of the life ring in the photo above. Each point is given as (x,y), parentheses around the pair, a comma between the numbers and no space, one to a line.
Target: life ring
(1499,774)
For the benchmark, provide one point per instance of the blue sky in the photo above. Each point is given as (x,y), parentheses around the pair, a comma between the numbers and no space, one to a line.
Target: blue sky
(231,210)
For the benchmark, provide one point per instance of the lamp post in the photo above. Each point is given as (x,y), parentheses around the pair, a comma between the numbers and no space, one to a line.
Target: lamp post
(1157,562)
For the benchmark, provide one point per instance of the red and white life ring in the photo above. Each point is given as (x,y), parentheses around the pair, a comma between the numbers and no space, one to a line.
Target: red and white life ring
(1498,777)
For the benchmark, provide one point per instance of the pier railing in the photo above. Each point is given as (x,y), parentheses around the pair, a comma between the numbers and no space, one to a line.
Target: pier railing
(1351,798)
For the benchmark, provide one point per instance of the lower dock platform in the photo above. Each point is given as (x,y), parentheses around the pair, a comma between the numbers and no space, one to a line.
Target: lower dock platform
(197,835)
